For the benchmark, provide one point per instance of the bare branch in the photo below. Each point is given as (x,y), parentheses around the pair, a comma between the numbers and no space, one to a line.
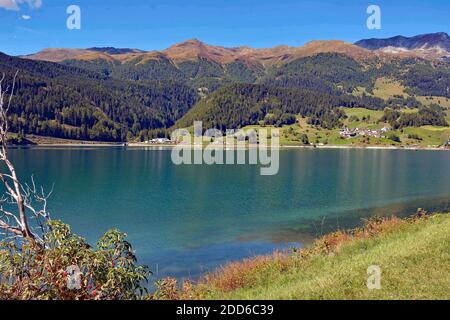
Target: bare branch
(5,226)
(12,91)
(23,197)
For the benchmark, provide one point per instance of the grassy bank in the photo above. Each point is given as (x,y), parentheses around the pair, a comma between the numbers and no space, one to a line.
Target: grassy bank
(413,255)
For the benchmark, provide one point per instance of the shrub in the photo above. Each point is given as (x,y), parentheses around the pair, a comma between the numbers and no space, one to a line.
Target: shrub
(304,139)
(353,119)
(394,137)
(33,271)
(414,136)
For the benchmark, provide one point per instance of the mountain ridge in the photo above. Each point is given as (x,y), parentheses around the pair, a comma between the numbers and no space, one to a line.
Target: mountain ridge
(195,49)
(113,94)
(428,46)
(419,42)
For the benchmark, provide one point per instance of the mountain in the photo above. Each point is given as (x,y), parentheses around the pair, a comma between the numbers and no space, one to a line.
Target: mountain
(192,50)
(112,50)
(56,55)
(62,101)
(207,67)
(195,49)
(119,94)
(438,41)
(200,65)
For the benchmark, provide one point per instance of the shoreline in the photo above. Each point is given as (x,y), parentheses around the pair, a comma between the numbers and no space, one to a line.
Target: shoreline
(237,279)
(170,146)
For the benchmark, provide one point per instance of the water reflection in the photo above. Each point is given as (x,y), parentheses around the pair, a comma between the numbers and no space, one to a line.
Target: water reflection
(188,218)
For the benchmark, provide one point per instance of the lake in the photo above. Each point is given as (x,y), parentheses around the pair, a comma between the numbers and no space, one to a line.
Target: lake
(186,220)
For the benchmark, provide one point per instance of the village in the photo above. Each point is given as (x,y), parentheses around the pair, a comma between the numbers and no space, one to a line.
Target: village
(348,133)
(160,141)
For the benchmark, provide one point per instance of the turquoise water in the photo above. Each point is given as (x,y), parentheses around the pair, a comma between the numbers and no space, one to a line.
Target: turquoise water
(185,220)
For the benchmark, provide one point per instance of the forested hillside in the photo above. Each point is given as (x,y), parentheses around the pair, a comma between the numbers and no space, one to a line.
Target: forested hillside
(326,72)
(61,101)
(240,105)
(199,73)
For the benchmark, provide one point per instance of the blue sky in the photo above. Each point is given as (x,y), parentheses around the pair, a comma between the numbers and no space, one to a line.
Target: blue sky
(28,26)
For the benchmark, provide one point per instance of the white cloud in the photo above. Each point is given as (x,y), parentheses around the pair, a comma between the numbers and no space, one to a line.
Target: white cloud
(35,4)
(9,5)
(25,17)
(15,4)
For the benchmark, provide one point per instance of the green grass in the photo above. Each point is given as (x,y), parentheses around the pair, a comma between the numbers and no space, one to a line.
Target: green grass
(442,101)
(371,122)
(431,136)
(413,256)
(387,88)
(362,112)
